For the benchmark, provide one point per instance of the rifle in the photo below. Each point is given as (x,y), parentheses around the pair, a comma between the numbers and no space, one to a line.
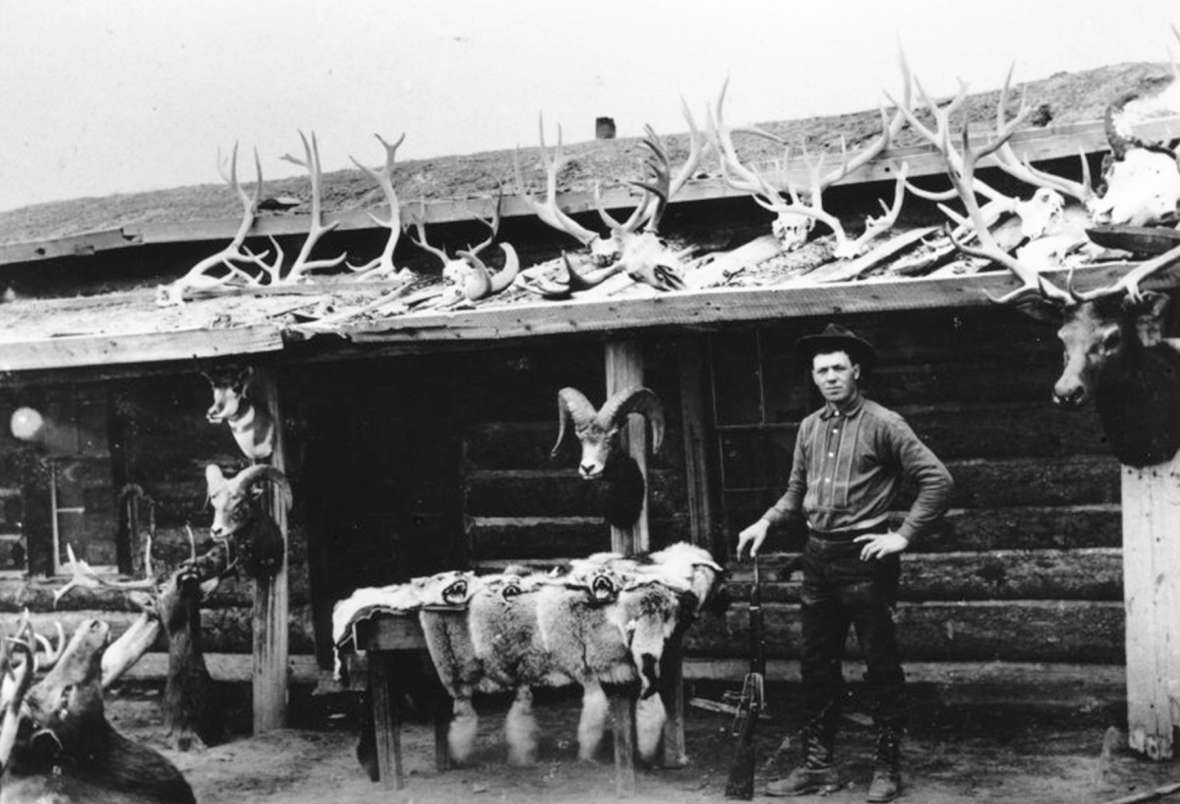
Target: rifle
(740,784)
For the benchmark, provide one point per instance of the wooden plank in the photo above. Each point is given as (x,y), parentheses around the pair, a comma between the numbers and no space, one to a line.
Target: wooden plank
(624,369)
(1151,556)
(1007,630)
(562,492)
(711,307)
(694,419)
(1036,144)
(271,597)
(145,347)
(622,709)
(387,729)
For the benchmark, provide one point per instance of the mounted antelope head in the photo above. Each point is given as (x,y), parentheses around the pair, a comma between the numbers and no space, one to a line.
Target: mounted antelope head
(252,427)
(596,429)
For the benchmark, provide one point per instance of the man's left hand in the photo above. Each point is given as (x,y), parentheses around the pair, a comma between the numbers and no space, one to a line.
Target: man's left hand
(879,545)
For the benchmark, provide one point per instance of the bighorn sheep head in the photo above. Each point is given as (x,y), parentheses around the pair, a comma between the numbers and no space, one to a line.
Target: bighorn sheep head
(596,429)
(232,498)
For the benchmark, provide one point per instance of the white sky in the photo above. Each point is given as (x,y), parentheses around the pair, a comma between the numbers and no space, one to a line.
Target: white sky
(105,97)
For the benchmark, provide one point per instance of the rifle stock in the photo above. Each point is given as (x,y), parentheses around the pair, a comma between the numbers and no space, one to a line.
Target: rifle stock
(740,784)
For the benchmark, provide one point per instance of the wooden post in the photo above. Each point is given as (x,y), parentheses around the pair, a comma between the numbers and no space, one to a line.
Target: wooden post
(624,367)
(622,707)
(1151,591)
(271,604)
(692,423)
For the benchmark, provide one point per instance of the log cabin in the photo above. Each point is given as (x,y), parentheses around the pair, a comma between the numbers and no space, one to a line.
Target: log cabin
(417,440)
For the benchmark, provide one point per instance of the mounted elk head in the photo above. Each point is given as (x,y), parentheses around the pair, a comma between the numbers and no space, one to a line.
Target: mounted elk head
(1111,336)
(67,751)
(240,520)
(251,426)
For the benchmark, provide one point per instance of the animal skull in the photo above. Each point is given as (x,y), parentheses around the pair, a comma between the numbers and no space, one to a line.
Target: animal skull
(1141,188)
(792,229)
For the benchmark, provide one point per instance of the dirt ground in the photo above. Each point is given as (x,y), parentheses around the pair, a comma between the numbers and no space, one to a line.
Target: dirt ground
(958,750)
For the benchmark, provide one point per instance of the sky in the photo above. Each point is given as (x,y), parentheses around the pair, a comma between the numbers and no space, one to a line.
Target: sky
(110,97)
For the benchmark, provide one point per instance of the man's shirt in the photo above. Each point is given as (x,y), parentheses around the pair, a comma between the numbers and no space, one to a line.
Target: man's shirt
(850,464)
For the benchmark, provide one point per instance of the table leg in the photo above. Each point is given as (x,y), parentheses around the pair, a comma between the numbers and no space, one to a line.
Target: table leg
(386,723)
(622,706)
(672,691)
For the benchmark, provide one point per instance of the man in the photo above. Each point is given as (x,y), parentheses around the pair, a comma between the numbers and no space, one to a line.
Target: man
(851,458)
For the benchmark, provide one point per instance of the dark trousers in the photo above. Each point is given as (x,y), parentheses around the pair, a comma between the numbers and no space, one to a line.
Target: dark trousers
(838,590)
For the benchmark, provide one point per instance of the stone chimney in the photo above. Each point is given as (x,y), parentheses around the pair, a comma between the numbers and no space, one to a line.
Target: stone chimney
(604,128)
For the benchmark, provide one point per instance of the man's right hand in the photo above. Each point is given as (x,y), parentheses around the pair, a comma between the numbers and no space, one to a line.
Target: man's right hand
(753,536)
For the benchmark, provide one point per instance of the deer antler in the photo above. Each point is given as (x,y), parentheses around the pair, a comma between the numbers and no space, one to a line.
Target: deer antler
(549,211)
(383,265)
(83,575)
(303,262)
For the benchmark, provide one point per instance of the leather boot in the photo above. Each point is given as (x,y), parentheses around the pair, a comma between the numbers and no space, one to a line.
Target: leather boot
(886,784)
(815,774)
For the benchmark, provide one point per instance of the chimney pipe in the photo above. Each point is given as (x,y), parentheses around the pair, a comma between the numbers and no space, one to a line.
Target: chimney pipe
(604,128)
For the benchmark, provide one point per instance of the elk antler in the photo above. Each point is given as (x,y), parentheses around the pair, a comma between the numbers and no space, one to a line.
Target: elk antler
(199,275)
(383,265)
(303,262)
(548,211)
(83,575)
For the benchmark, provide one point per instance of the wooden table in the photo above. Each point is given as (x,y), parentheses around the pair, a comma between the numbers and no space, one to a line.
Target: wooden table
(396,650)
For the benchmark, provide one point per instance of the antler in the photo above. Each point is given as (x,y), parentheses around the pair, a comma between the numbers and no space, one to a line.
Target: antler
(383,265)
(1129,282)
(549,211)
(469,272)
(303,262)
(961,170)
(83,575)
(199,275)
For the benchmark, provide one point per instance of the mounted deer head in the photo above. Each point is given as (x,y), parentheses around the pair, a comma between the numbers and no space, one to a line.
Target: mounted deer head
(597,429)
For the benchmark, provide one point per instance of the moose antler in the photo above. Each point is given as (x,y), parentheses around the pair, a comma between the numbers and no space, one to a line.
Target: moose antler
(383,264)
(303,262)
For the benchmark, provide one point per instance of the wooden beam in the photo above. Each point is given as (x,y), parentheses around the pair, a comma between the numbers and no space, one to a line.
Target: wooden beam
(624,368)
(227,667)
(694,423)
(711,308)
(1036,144)
(1151,590)
(271,598)
(143,347)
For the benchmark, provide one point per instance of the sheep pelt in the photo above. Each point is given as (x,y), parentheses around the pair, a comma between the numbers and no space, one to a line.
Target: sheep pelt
(521,730)
(585,637)
(592,720)
(623,490)
(506,638)
(461,733)
(652,612)
(448,637)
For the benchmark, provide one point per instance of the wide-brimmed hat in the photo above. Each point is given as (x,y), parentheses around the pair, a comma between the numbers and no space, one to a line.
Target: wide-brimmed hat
(837,338)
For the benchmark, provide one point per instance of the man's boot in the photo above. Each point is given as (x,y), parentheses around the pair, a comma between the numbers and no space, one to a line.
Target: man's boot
(886,784)
(815,774)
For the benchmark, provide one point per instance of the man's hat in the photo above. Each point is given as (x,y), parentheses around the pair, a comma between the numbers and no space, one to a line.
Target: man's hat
(836,338)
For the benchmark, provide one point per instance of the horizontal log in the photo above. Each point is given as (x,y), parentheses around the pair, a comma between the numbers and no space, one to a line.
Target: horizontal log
(1079,574)
(539,492)
(1015,631)
(527,445)
(1071,480)
(492,538)
(1055,678)
(225,667)
(222,630)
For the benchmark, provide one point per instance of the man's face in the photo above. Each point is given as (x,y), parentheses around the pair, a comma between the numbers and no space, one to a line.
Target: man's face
(835,375)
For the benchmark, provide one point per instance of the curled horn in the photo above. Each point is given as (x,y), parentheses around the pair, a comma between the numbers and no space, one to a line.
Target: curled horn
(256,474)
(571,404)
(635,400)
(1118,143)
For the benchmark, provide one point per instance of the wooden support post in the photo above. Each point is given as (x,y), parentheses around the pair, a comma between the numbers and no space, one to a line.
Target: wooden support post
(622,707)
(693,417)
(271,602)
(1151,591)
(624,367)
(672,692)
(386,723)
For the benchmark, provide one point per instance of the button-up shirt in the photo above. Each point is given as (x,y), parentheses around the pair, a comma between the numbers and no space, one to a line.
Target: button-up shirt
(849,466)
